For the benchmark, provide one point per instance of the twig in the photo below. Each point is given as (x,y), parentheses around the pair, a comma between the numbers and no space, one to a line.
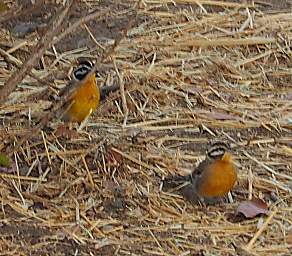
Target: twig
(122,90)
(267,167)
(11,59)
(40,48)
(260,231)
(82,20)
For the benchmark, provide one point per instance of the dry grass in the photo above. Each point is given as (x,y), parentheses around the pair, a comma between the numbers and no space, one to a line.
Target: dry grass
(213,71)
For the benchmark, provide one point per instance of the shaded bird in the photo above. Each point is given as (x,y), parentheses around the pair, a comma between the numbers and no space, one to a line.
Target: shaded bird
(213,178)
(86,98)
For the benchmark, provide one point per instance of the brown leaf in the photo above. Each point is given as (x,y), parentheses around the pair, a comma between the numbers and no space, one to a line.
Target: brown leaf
(252,208)
(38,199)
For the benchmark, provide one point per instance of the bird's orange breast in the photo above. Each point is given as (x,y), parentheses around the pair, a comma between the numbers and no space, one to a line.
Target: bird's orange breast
(84,101)
(217,179)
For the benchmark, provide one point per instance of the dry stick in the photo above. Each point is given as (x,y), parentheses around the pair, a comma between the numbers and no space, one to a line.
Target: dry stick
(260,231)
(57,39)
(93,38)
(11,176)
(221,42)
(10,59)
(217,3)
(41,47)
(122,91)
(267,167)
(134,160)
(73,88)
(74,26)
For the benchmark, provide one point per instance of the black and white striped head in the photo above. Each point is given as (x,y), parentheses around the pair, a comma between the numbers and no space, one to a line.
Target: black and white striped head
(217,150)
(82,70)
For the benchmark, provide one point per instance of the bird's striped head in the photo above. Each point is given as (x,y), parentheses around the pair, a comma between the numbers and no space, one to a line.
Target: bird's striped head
(82,70)
(217,150)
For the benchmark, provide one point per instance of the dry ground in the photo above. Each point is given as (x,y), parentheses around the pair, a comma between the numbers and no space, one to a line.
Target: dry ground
(194,72)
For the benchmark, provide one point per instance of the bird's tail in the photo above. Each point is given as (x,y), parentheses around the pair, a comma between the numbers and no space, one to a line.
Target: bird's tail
(183,185)
(175,182)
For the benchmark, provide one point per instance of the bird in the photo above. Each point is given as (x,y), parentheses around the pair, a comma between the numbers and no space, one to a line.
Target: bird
(211,179)
(86,98)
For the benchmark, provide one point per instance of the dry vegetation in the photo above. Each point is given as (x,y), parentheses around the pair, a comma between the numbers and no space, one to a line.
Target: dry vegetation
(193,72)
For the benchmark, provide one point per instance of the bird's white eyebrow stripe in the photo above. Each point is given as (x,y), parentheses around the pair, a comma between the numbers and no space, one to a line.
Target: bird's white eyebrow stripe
(216,151)
(83,67)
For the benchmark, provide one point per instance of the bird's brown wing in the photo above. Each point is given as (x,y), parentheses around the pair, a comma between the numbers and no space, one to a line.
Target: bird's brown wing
(178,182)
(187,185)
(189,190)
(66,91)
(200,169)
(183,185)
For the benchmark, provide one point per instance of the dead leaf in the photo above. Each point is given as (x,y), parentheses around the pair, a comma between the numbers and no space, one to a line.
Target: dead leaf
(252,208)
(38,199)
